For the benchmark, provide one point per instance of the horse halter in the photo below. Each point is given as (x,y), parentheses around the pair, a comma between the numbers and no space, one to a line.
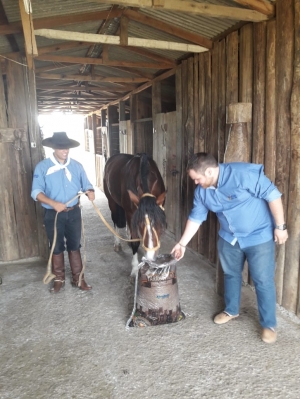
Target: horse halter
(151,195)
(148,227)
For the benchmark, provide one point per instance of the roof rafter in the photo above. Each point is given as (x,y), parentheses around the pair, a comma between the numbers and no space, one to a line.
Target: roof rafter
(89,78)
(28,30)
(209,10)
(165,27)
(100,61)
(115,40)
(63,20)
(261,6)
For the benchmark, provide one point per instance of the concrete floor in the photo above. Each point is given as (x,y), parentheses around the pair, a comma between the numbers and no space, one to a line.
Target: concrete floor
(75,345)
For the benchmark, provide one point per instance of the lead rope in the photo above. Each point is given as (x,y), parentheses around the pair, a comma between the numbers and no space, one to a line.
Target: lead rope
(49,276)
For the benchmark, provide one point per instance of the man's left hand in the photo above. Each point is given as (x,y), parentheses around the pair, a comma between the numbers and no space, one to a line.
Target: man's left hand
(280,236)
(91,195)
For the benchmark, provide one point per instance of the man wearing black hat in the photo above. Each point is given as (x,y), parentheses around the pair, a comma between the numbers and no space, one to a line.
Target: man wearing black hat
(56,181)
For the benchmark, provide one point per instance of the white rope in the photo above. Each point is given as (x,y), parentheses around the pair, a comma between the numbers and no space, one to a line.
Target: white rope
(135,295)
(9,59)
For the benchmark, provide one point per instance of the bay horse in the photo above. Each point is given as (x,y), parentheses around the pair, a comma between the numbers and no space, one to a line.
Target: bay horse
(136,193)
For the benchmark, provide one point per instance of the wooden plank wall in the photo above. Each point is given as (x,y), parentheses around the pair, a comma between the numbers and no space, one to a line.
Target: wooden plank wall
(22,225)
(260,64)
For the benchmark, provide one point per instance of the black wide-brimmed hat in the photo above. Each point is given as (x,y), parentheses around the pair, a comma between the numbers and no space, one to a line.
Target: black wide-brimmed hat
(60,141)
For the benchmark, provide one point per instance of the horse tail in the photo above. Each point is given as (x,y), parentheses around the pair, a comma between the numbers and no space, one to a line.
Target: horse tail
(144,172)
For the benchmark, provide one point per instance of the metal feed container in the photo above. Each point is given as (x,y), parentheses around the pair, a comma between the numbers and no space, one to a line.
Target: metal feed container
(157,297)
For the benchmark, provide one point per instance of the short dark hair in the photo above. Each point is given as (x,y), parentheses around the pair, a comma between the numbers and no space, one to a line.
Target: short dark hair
(200,161)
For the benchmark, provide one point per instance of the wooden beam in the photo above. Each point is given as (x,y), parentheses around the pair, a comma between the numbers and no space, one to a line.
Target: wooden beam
(95,78)
(115,40)
(261,6)
(209,10)
(80,88)
(124,31)
(61,47)
(73,96)
(151,55)
(145,86)
(100,61)
(171,29)
(50,22)
(28,31)
(50,67)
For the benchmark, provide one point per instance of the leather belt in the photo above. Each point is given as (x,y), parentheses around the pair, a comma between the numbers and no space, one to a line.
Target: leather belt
(71,208)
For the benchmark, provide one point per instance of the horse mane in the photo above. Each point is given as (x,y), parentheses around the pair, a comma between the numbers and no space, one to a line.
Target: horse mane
(144,172)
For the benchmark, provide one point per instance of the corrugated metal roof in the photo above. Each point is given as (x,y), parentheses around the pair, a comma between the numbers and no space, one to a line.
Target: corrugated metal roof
(203,26)
(47,8)
(190,22)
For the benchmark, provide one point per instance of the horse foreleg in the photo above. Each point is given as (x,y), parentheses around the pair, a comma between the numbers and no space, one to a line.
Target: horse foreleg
(134,264)
(117,244)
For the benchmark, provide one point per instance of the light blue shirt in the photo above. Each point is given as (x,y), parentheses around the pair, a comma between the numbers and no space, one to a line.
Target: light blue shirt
(56,185)
(240,202)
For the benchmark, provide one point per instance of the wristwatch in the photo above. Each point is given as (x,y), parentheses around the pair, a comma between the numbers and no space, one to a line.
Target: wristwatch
(281,226)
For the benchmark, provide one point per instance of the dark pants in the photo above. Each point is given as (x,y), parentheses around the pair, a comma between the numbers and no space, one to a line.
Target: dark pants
(68,227)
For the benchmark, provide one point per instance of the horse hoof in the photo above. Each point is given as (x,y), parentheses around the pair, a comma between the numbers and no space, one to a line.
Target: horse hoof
(117,248)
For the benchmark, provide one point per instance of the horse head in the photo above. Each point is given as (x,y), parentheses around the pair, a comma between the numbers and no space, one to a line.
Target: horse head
(149,220)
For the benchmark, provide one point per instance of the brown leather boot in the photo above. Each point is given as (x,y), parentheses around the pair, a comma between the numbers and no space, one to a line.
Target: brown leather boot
(76,267)
(58,268)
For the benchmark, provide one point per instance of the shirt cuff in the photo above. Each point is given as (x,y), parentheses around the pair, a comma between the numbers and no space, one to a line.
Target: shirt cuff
(275,194)
(35,193)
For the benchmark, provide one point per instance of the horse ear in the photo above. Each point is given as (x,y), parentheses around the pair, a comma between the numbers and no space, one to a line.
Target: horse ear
(134,198)
(161,199)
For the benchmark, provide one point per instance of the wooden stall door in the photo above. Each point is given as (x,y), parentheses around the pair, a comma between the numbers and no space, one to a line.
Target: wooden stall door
(21,232)
(125,137)
(143,137)
(166,156)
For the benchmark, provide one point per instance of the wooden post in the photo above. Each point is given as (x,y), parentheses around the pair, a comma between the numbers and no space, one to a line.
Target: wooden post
(222,101)
(270,135)
(285,279)
(291,287)
(246,72)
(259,86)
(232,71)
(178,220)
(237,149)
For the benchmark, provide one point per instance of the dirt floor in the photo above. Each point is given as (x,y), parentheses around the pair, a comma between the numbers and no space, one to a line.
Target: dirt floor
(75,345)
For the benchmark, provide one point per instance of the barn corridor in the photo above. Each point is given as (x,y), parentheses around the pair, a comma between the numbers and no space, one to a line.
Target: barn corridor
(75,345)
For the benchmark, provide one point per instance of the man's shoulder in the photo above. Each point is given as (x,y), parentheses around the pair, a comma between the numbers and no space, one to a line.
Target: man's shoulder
(44,163)
(75,163)
(242,166)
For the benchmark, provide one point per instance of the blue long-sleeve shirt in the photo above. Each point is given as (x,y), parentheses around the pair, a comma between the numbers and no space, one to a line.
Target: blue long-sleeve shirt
(57,185)
(240,202)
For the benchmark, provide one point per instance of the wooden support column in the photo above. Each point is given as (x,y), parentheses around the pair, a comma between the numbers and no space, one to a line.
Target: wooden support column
(122,115)
(28,30)
(291,280)
(286,284)
(294,197)
(179,166)
(8,228)
(221,99)
(113,130)
(259,98)
(270,132)
(246,73)
(232,74)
